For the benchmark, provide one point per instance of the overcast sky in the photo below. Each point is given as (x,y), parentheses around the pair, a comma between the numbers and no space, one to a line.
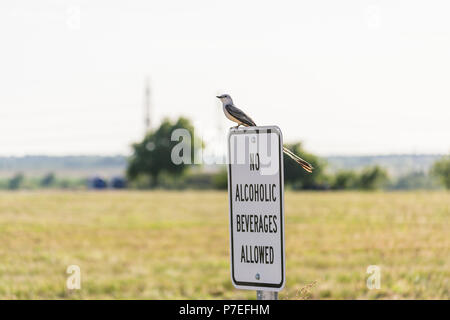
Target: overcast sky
(345,77)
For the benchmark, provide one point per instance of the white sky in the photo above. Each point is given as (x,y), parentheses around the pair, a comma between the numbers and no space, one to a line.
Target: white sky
(345,77)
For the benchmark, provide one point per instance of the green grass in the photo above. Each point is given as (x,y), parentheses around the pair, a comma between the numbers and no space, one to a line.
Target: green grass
(173,245)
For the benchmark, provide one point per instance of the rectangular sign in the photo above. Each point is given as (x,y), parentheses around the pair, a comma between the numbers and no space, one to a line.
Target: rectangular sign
(256,194)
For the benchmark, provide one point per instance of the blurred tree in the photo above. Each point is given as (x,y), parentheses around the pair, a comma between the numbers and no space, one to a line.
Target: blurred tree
(220,180)
(372,178)
(48,180)
(414,180)
(16,181)
(345,179)
(441,170)
(297,177)
(152,155)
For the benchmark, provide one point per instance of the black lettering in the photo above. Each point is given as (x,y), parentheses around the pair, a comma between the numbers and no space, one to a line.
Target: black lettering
(261,254)
(257,161)
(271,255)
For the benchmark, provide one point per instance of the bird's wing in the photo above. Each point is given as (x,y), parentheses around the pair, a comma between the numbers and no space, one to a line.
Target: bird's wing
(240,115)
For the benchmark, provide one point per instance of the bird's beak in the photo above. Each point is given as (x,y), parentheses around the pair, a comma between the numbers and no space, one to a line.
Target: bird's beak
(219,97)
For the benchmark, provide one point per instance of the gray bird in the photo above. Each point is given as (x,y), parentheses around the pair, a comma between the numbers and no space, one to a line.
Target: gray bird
(237,115)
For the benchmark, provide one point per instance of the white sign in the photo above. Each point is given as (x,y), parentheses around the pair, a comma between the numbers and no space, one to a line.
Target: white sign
(256,194)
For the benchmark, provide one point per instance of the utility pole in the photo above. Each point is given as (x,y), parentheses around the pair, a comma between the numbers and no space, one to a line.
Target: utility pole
(220,156)
(147,105)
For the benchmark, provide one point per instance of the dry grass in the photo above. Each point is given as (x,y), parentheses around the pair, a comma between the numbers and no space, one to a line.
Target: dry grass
(159,245)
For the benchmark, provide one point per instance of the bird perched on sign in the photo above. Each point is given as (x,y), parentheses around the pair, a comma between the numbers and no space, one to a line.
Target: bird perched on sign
(237,115)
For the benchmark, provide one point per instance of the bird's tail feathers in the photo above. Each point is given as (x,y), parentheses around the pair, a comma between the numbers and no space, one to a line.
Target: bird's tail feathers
(305,165)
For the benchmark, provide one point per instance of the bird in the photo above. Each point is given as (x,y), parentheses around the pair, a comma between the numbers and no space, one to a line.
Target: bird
(235,114)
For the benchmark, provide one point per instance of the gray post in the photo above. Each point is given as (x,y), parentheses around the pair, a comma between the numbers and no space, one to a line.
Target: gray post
(266,295)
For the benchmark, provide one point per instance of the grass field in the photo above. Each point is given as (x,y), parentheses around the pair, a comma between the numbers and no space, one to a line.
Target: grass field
(172,245)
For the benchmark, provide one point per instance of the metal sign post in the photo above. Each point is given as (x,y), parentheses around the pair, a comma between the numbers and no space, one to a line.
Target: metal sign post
(256,195)
(266,295)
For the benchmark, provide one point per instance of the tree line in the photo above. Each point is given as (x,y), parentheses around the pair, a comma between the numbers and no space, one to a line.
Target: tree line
(150,166)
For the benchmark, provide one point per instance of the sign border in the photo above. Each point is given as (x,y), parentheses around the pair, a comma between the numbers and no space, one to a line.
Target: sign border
(258,285)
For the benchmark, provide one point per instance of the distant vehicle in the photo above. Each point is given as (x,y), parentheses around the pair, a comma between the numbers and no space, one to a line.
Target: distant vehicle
(97,183)
(118,183)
